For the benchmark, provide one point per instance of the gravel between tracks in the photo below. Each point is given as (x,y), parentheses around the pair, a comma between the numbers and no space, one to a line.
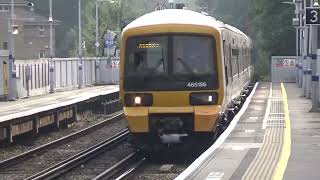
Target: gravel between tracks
(99,164)
(155,172)
(27,142)
(51,157)
(165,165)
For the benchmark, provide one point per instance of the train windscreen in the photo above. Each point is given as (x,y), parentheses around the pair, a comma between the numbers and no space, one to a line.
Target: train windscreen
(170,62)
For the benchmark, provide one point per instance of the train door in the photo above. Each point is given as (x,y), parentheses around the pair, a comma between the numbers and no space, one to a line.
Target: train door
(226,70)
(235,69)
(225,52)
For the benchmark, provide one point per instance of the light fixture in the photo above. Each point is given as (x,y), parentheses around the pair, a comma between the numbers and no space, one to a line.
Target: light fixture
(143,99)
(203,98)
(15,29)
(31,6)
(137,100)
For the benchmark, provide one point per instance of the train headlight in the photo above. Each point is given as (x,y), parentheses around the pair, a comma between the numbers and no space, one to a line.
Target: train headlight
(138,99)
(203,98)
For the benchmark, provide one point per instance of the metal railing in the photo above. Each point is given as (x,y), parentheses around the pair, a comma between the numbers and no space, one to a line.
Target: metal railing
(33,76)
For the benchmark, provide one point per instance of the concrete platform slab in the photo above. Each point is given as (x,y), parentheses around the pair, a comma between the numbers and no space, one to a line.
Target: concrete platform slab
(305,128)
(33,105)
(277,137)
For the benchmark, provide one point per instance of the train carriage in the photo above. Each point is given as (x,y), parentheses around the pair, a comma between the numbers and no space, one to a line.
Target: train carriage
(182,75)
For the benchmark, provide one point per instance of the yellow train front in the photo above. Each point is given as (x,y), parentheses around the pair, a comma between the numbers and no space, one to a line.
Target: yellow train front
(172,77)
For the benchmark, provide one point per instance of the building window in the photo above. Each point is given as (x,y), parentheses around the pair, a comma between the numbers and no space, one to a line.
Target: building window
(4,8)
(5,45)
(41,54)
(41,30)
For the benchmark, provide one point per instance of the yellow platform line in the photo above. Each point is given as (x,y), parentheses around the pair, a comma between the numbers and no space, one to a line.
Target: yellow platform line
(286,148)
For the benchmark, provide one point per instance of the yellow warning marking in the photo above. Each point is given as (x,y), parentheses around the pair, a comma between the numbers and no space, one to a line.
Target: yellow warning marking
(286,148)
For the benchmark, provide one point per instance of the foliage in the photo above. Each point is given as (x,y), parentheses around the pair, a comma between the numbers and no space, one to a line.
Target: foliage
(110,14)
(267,22)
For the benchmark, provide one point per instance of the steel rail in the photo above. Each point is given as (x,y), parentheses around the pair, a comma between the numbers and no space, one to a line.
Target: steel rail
(109,172)
(16,159)
(132,169)
(83,156)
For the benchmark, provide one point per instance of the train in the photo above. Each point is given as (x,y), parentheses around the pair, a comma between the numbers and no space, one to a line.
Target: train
(183,76)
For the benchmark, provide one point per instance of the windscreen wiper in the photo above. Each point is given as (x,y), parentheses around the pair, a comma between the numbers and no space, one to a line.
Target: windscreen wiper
(187,67)
(151,72)
(161,61)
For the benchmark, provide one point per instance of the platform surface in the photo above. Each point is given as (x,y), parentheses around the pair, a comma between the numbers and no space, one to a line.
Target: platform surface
(259,146)
(24,107)
(304,160)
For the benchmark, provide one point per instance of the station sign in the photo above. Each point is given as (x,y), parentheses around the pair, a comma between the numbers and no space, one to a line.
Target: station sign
(115,64)
(160,7)
(283,68)
(110,38)
(286,63)
(313,15)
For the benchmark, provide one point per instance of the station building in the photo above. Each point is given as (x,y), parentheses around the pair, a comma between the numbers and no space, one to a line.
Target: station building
(32,40)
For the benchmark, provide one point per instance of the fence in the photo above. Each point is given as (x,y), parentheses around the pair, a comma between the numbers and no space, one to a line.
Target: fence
(33,75)
(67,72)
(283,68)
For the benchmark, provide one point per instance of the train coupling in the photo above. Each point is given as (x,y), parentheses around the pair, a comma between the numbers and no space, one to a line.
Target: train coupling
(172,138)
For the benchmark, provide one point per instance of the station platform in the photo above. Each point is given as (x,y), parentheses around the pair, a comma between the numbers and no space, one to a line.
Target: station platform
(25,115)
(274,136)
(24,107)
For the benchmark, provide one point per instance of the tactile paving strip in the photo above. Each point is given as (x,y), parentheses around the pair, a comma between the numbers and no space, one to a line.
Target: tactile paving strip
(264,164)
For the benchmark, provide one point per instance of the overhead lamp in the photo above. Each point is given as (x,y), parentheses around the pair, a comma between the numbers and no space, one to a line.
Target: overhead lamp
(31,6)
(15,29)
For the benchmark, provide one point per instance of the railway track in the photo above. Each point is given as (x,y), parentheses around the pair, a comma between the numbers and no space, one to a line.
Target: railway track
(34,152)
(76,160)
(123,168)
(31,162)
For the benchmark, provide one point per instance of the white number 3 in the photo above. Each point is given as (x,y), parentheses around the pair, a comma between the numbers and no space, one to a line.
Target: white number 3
(314,16)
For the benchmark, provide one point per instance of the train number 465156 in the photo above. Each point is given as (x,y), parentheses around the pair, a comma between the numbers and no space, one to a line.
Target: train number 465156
(197,84)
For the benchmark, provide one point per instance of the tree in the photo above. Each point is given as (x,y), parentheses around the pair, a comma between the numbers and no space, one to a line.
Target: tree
(267,22)
(66,11)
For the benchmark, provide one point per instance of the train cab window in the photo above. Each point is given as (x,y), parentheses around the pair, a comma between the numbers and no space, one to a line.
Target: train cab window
(191,55)
(170,62)
(147,55)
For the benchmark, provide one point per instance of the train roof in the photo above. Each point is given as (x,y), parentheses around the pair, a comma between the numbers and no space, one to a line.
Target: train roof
(174,16)
(180,16)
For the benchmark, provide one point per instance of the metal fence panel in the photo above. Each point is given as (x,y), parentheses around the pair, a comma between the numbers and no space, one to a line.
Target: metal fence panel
(33,75)
(109,70)
(283,68)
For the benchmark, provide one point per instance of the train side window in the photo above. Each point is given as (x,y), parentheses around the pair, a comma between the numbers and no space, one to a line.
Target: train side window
(235,59)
